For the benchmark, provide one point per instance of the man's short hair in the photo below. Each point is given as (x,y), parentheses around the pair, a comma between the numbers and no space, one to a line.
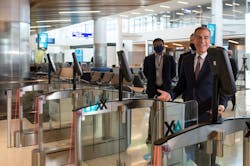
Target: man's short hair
(201,28)
(158,39)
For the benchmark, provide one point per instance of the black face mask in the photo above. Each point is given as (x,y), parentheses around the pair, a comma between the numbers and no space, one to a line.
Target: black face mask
(192,46)
(158,49)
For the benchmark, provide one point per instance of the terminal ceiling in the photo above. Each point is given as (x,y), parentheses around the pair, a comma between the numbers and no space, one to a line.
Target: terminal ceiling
(49,9)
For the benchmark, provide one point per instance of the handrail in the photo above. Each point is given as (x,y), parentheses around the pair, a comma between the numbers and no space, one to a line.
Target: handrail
(203,130)
(23,81)
(118,106)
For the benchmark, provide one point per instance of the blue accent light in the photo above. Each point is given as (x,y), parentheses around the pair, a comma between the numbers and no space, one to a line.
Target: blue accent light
(212,28)
(80,34)
(42,41)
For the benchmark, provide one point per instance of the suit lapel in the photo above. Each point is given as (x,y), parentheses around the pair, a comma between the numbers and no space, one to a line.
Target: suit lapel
(188,67)
(153,66)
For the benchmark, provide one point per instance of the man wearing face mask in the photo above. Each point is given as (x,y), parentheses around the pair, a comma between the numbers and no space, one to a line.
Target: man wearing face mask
(191,51)
(159,69)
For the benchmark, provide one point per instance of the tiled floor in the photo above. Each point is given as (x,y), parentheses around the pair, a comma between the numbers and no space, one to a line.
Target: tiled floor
(135,154)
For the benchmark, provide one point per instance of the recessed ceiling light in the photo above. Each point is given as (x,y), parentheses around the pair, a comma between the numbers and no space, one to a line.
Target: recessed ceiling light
(44,21)
(123,15)
(232,41)
(181,14)
(228,4)
(136,13)
(237,11)
(195,11)
(236,4)
(230,15)
(168,16)
(176,44)
(164,6)
(198,5)
(41,26)
(208,7)
(182,2)
(149,10)
(79,12)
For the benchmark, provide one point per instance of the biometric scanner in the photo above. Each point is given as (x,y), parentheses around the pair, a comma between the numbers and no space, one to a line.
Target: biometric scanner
(200,133)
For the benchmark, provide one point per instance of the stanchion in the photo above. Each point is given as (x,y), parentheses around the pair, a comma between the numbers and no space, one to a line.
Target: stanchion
(246,146)
(9,98)
(157,130)
(41,159)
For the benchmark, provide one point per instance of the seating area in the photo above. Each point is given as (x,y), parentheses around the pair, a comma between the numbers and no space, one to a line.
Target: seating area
(111,79)
(108,78)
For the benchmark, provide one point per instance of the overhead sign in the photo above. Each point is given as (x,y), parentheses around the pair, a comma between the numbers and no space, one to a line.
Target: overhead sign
(42,41)
(212,28)
(79,55)
(80,34)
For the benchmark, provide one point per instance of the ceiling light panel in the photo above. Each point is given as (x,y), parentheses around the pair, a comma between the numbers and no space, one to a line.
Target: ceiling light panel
(41,26)
(183,2)
(149,10)
(46,21)
(78,12)
(165,6)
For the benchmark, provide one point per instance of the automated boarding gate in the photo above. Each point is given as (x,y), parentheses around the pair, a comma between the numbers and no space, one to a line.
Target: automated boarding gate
(126,125)
(26,133)
(213,135)
(56,142)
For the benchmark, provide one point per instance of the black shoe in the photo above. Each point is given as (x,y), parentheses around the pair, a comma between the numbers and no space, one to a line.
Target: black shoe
(233,109)
(148,140)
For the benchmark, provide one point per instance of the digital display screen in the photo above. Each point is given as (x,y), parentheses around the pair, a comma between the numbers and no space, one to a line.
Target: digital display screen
(247,21)
(79,55)
(212,28)
(42,41)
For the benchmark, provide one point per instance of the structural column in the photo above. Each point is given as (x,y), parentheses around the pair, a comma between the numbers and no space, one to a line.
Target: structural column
(217,18)
(119,39)
(100,43)
(14,38)
(14,43)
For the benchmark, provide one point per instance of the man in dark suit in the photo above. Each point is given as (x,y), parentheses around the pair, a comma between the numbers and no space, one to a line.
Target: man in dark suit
(191,51)
(195,86)
(159,69)
(195,83)
(235,72)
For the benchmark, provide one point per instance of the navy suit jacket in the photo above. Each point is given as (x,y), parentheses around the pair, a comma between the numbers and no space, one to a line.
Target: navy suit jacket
(168,73)
(200,89)
(180,61)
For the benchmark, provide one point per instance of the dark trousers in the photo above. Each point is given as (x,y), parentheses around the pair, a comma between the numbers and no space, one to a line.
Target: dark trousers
(233,100)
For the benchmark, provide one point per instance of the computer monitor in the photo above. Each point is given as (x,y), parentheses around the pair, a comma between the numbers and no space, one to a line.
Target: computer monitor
(220,66)
(76,66)
(126,72)
(52,66)
(223,80)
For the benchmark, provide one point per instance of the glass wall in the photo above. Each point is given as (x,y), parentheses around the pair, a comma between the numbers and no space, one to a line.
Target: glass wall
(233,10)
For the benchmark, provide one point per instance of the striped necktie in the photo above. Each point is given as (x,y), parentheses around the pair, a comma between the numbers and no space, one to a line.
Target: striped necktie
(197,68)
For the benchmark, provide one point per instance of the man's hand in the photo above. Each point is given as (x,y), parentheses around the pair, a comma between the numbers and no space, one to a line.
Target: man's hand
(165,96)
(221,108)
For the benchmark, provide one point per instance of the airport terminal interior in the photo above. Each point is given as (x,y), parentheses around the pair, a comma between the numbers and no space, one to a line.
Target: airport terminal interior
(73,90)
